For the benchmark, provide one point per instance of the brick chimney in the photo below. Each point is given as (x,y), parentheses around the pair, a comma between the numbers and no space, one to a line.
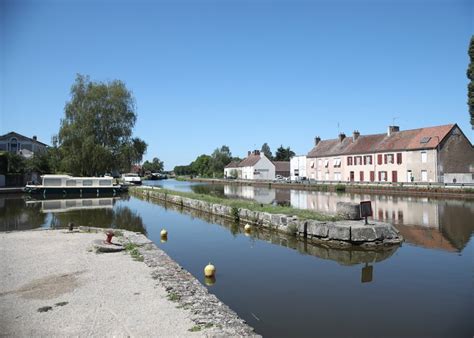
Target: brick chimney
(342,136)
(392,129)
(356,135)
(317,139)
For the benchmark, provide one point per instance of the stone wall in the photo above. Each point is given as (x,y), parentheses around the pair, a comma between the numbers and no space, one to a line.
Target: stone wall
(339,233)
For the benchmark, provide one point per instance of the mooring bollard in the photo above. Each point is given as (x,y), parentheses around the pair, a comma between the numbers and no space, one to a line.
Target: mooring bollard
(109,235)
(71,226)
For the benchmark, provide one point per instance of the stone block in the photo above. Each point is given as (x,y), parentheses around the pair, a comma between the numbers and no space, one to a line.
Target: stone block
(348,210)
(362,233)
(339,232)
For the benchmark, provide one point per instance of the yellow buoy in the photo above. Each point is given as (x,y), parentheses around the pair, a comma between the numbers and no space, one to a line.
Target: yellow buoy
(247,227)
(209,270)
(210,281)
(163,233)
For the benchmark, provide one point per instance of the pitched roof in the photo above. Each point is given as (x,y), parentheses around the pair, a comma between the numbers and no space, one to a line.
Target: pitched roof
(282,165)
(250,160)
(233,164)
(422,138)
(14,134)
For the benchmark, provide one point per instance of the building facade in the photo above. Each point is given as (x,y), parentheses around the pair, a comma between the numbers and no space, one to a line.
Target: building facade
(298,167)
(21,145)
(431,154)
(256,166)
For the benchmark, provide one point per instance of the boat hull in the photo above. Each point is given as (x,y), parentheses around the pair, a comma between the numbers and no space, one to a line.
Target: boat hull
(73,191)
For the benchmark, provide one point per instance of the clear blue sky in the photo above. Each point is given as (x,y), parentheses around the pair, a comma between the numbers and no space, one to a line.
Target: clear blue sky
(240,73)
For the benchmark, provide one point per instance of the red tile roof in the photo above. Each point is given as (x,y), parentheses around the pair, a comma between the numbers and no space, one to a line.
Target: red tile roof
(397,141)
(233,164)
(250,160)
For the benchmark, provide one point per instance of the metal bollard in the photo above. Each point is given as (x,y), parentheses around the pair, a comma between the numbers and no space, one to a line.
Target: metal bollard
(109,235)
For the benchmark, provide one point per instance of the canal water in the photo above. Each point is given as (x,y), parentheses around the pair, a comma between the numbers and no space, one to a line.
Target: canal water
(285,287)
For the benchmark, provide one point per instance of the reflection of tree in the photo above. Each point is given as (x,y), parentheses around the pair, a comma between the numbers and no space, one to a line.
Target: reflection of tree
(120,218)
(15,215)
(124,218)
(214,190)
(456,222)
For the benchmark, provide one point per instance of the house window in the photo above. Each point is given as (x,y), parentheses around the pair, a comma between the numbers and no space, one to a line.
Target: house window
(388,158)
(326,163)
(424,157)
(424,176)
(337,162)
(13,145)
(382,176)
(358,160)
(399,158)
(312,164)
(349,160)
(368,159)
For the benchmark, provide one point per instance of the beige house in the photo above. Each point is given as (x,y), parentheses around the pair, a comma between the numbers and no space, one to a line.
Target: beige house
(256,166)
(433,154)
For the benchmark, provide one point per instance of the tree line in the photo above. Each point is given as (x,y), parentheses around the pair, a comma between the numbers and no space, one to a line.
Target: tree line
(95,135)
(213,165)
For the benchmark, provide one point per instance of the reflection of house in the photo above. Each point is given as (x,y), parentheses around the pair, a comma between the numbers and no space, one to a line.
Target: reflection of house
(256,166)
(426,155)
(22,145)
(298,167)
(260,195)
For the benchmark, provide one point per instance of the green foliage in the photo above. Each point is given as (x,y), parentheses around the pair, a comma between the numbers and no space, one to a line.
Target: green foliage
(266,151)
(155,166)
(12,163)
(284,154)
(340,188)
(470,86)
(134,252)
(96,132)
(207,165)
(235,214)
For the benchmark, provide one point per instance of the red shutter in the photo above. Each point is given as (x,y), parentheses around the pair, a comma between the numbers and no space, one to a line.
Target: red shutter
(365,160)
(394,176)
(361,176)
(372,176)
(399,158)
(385,158)
(380,175)
(349,160)
(379,159)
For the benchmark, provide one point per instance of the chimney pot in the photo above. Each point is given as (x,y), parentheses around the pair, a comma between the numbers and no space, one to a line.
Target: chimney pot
(392,129)
(35,138)
(356,134)
(342,136)
(317,139)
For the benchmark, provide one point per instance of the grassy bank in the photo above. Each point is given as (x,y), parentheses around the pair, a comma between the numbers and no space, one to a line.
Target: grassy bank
(249,205)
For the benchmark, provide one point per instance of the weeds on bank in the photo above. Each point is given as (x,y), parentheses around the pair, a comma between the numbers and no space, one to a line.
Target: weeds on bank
(197,328)
(174,297)
(238,204)
(132,249)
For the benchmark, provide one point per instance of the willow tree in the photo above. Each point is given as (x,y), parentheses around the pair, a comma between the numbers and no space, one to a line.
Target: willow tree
(96,132)
(470,86)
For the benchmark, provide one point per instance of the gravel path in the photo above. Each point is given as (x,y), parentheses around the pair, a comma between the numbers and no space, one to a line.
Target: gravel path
(53,284)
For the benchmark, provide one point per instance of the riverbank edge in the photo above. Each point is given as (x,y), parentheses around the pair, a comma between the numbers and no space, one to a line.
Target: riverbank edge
(337,234)
(207,311)
(386,188)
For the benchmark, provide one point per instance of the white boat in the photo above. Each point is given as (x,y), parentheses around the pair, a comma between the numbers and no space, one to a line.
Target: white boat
(131,178)
(69,185)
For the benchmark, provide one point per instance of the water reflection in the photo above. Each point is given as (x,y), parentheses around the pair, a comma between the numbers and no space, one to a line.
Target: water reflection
(347,257)
(427,222)
(15,216)
(17,213)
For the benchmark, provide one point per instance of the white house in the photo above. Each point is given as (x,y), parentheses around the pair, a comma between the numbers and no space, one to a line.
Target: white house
(298,167)
(256,166)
